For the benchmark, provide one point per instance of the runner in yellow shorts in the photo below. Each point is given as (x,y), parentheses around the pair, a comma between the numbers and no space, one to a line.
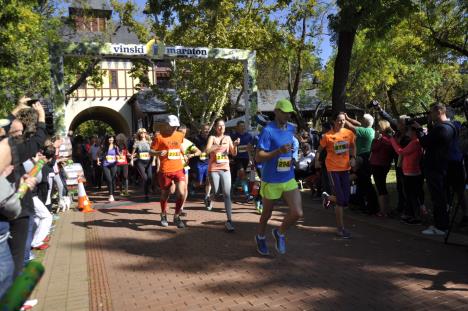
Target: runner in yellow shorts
(274,150)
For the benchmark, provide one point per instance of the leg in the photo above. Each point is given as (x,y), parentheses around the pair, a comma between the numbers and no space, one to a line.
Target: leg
(19,235)
(437,188)
(45,222)
(214,180)
(181,187)
(294,201)
(226,183)
(109,181)
(266,215)
(7,266)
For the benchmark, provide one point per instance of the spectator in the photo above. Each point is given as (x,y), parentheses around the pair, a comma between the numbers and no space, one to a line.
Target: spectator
(435,164)
(365,193)
(380,161)
(304,166)
(413,179)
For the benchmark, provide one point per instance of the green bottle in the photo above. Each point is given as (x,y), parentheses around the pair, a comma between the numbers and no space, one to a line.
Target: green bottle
(22,287)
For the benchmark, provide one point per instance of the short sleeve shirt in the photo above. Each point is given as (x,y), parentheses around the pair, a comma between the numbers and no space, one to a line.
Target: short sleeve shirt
(172,161)
(245,139)
(364,138)
(337,145)
(278,169)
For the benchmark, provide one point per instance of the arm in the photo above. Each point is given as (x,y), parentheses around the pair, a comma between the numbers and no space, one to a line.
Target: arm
(317,157)
(209,145)
(410,148)
(233,146)
(384,115)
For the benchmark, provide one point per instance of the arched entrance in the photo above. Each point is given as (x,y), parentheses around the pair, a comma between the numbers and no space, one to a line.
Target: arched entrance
(107,115)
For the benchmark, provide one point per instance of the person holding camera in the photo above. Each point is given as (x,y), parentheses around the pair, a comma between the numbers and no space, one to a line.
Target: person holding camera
(413,179)
(365,193)
(436,143)
(381,158)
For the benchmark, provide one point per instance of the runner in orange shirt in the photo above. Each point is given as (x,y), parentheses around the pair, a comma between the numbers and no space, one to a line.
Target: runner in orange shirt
(341,156)
(167,145)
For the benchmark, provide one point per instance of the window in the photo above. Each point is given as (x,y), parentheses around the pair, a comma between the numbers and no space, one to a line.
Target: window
(113,79)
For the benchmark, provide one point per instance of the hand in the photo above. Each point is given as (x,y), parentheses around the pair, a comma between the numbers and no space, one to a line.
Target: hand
(352,162)
(40,111)
(163,153)
(285,148)
(7,171)
(38,157)
(29,180)
(99,163)
(236,142)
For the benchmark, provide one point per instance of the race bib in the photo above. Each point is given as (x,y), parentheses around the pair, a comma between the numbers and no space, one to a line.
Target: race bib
(144,155)
(173,154)
(221,157)
(341,147)
(203,156)
(242,148)
(284,164)
(120,159)
(110,158)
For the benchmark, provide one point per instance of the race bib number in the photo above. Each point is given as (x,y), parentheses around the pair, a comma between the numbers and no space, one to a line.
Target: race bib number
(242,148)
(144,155)
(284,164)
(222,157)
(341,147)
(203,156)
(121,159)
(110,158)
(173,154)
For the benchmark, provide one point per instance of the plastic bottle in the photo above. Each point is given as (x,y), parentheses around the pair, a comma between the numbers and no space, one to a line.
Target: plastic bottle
(22,287)
(23,188)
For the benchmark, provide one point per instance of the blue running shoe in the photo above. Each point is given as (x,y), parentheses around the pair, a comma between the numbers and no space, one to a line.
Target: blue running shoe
(262,247)
(280,241)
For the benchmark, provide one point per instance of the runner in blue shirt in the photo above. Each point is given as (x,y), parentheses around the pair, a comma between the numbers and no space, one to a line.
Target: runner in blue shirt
(241,160)
(275,151)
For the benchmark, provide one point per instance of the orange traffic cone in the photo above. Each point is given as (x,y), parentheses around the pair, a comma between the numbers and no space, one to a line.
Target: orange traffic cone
(83,202)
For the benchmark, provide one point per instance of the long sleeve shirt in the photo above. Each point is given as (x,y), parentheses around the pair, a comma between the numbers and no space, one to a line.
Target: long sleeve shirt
(412,155)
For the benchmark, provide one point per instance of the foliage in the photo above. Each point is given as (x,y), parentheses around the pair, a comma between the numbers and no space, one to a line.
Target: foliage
(444,23)
(25,30)
(400,69)
(93,127)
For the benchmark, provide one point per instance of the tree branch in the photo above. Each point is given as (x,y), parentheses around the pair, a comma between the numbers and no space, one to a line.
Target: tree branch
(83,76)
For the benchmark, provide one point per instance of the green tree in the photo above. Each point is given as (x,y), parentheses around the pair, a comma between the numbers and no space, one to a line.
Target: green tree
(353,15)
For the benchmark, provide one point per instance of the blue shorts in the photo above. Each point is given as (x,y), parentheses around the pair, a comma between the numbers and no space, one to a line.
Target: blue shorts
(202,169)
(340,187)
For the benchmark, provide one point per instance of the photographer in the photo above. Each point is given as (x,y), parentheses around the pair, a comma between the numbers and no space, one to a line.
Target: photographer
(365,193)
(399,127)
(29,116)
(435,164)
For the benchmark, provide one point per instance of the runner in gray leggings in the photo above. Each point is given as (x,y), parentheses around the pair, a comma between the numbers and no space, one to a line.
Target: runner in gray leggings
(219,147)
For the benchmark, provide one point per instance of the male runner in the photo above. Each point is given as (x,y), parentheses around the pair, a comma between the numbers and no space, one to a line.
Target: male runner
(274,149)
(167,145)
(241,160)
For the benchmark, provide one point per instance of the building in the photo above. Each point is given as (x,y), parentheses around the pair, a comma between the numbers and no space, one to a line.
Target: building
(117,101)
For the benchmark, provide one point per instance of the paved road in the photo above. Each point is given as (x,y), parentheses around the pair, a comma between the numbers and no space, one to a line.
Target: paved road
(135,264)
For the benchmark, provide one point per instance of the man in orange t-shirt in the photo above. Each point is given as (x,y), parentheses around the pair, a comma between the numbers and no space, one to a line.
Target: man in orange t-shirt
(167,145)
(341,155)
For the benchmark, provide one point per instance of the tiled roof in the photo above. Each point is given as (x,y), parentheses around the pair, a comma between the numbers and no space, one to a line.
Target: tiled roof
(91,4)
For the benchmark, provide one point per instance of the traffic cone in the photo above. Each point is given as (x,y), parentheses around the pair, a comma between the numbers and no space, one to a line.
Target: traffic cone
(83,202)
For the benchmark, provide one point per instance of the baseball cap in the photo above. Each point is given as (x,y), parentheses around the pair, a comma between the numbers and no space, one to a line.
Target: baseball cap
(284,105)
(172,120)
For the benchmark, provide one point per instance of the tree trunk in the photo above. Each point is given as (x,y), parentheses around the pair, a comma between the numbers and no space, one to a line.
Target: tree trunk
(341,69)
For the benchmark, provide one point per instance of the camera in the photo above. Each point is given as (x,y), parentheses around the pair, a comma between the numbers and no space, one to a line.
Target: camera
(31,102)
(373,104)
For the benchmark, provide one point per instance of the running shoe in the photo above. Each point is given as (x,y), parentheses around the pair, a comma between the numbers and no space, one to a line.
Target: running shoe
(433,231)
(208,204)
(343,233)
(164,222)
(229,226)
(262,247)
(325,200)
(178,222)
(280,241)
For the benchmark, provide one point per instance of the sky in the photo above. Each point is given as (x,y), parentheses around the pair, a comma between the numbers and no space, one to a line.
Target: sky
(325,46)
